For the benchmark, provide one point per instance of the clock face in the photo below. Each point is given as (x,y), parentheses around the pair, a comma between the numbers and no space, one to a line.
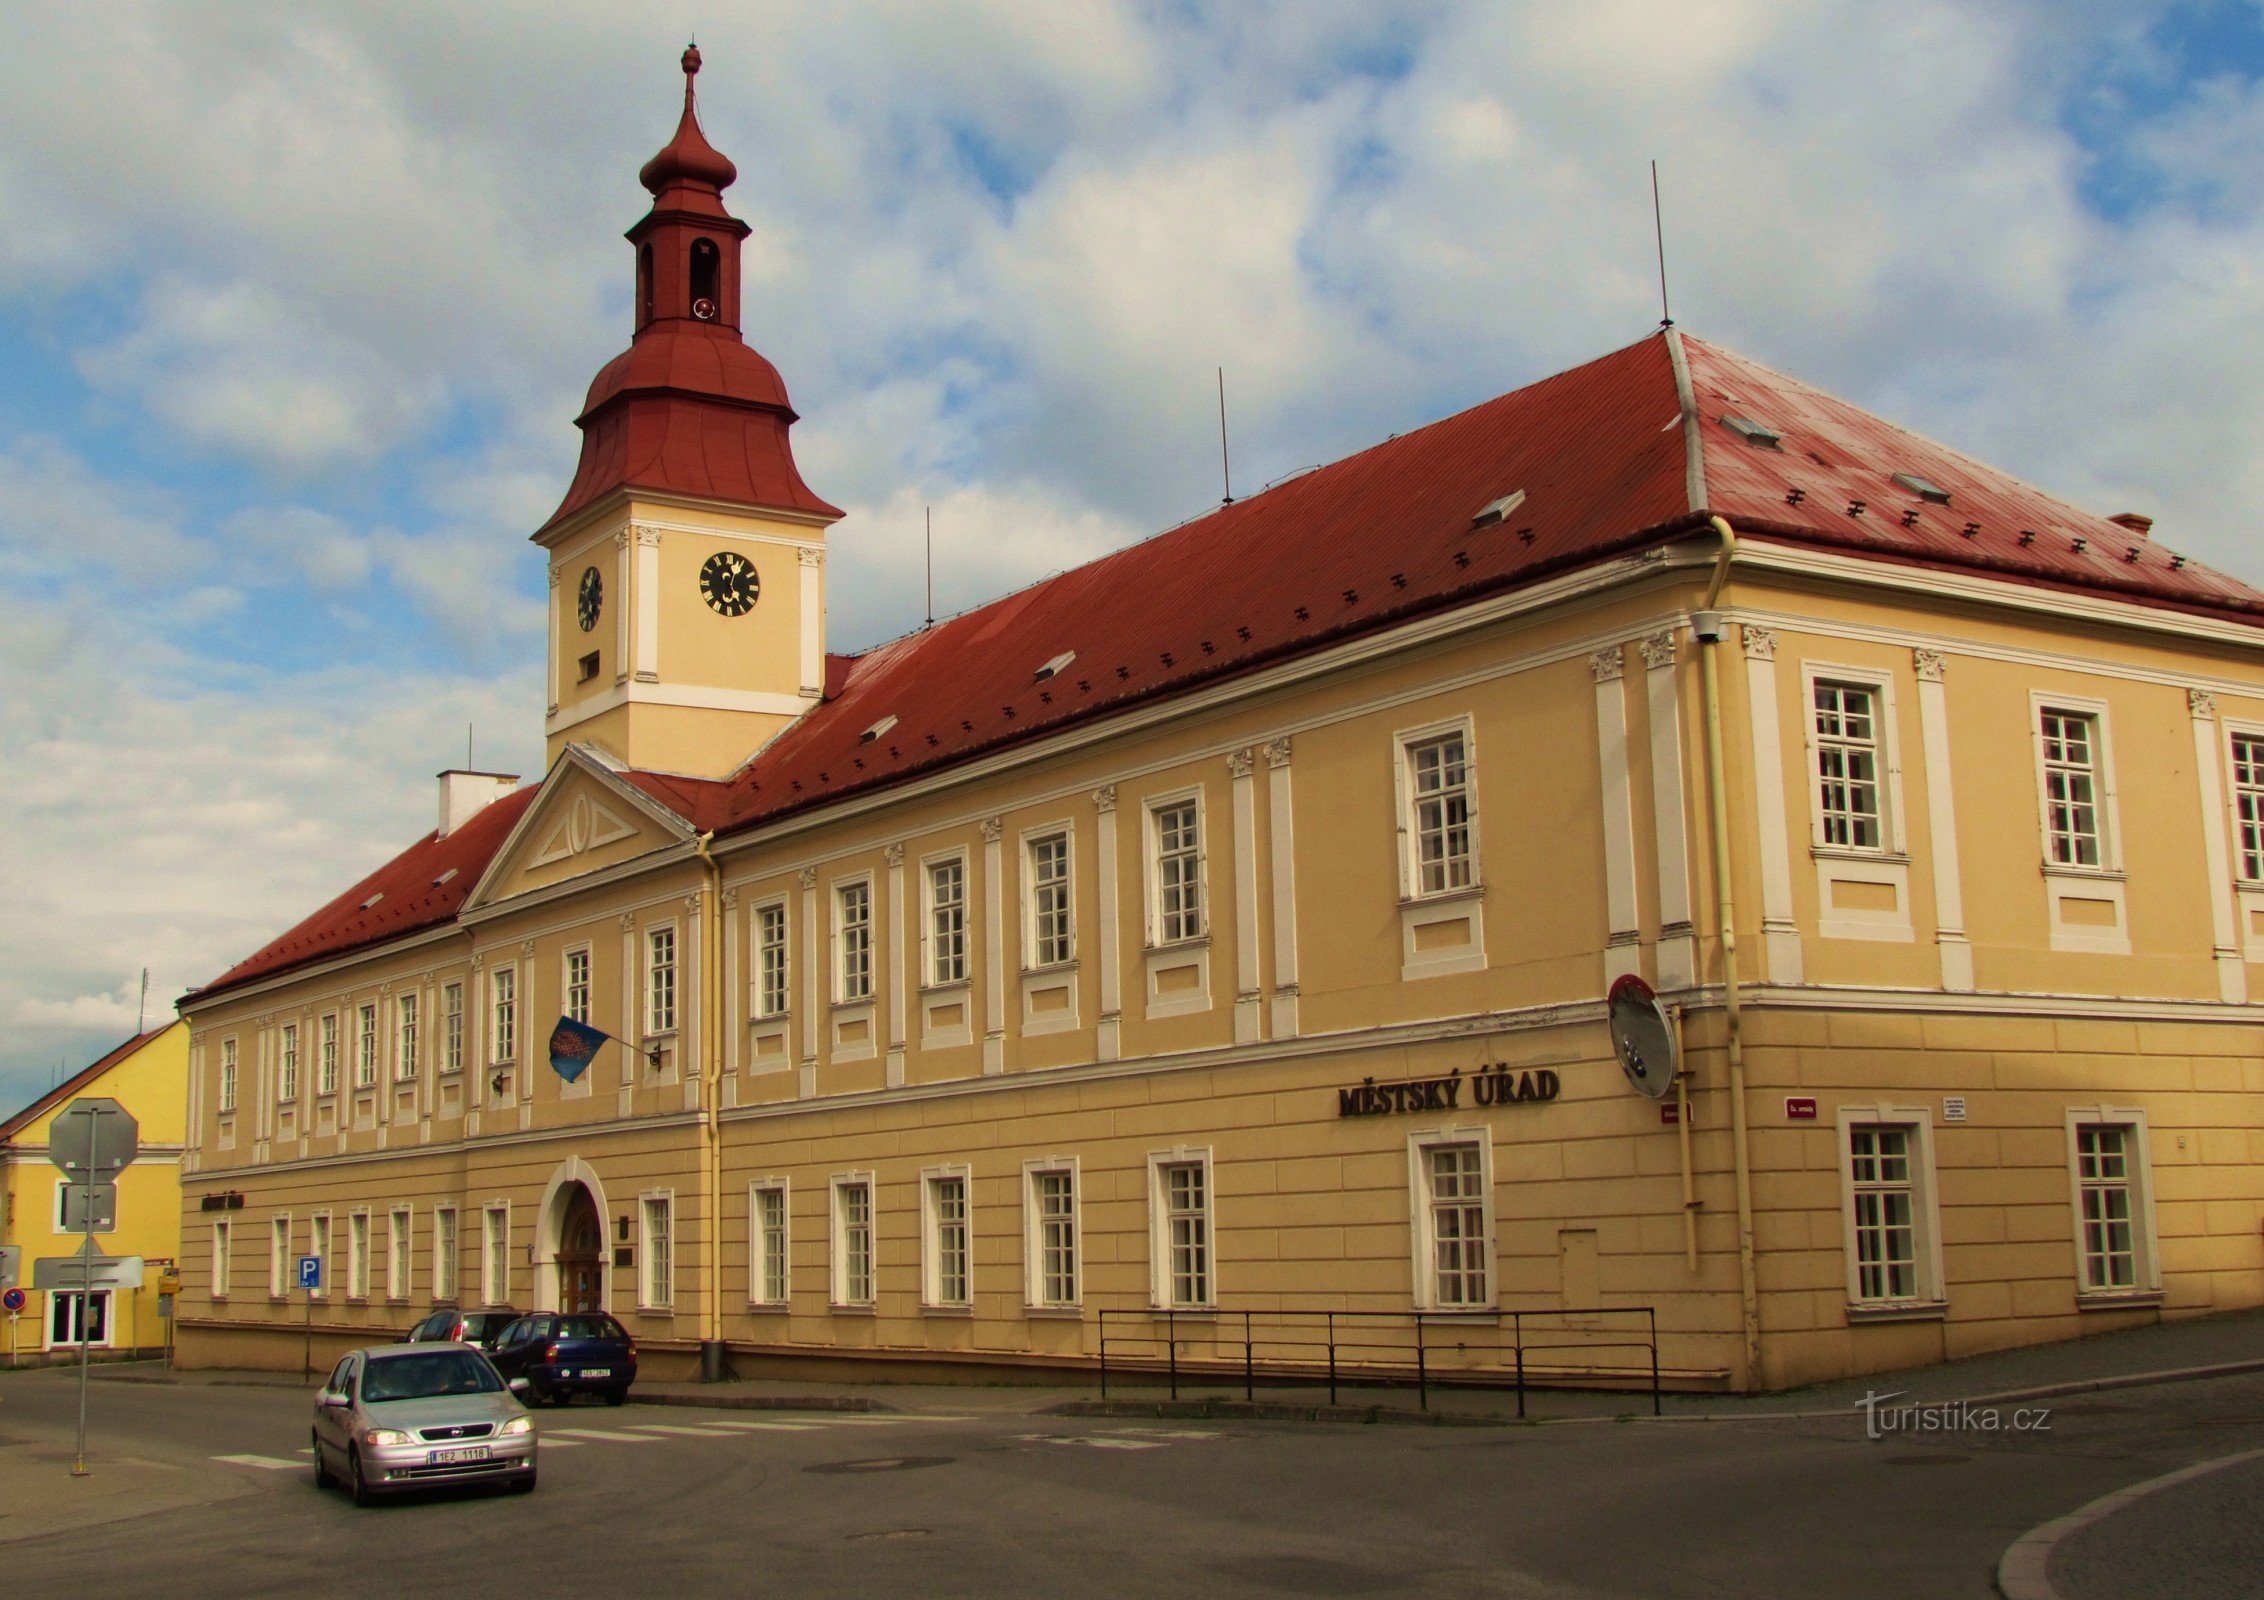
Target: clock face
(728,582)
(590,600)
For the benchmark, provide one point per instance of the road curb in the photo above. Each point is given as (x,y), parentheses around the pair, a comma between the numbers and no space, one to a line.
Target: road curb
(2125,1380)
(758,1402)
(1268,1411)
(2024,1571)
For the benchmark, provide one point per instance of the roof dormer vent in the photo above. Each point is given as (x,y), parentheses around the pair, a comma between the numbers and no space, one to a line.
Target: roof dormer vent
(876,730)
(1753,432)
(1494,510)
(373,900)
(1057,666)
(1921,488)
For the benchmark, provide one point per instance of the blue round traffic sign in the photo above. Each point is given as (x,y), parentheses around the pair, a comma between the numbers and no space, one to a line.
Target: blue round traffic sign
(12,1300)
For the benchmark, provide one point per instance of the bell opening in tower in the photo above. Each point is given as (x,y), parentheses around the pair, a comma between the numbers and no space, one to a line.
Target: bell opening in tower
(707,272)
(644,285)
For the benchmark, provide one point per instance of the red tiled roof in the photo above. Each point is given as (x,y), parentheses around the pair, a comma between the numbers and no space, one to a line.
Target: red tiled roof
(420,888)
(1377,538)
(70,1086)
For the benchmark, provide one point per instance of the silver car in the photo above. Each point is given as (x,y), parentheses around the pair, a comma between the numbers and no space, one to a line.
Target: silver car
(409,1416)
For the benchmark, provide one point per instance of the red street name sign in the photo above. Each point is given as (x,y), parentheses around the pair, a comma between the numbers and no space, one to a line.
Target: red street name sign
(1800,1108)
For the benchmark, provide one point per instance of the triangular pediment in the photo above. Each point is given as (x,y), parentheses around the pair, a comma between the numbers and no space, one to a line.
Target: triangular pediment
(586,819)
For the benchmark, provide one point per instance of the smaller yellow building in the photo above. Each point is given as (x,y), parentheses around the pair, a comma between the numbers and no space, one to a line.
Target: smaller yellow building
(149,1076)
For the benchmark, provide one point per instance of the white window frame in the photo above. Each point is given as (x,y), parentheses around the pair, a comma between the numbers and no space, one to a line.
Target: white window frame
(1163,1273)
(287,1063)
(840,1282)
(222,1239)
(567,983)
(1405,742)
(408,1045)
(1423,1229)
(656,1250)
(495,1254)
(326,1056)
(660,1008)
(1033,958)
(2248,859)
(932,1285)
(763,1251)
(452,1026)
(73,1303)
(365,1045)
(1159,933)
(1886,742)
(866,984)
(503,1014)
(319,1242)
(400,1248)
(229,1076)
(934,946)
(282,1275)
(2104,804)
(447,1254)
(1930,1298)
(1034,1274)
(357,1253)
(763,1004)
(2146,1285)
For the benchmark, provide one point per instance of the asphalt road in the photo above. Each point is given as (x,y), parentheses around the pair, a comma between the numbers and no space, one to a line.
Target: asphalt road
(204,1490)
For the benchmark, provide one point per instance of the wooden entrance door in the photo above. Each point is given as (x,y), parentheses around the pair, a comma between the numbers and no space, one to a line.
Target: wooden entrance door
(581,1253)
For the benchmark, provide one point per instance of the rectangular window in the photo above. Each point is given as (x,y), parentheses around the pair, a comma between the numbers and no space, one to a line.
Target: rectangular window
(1183,1200)
(767,1261)
(281,1279)
(770,961)
(657,1213)
(220,1239)
(1461,1252)
(1438,822)
(2105,1174)
(452,1027)
(318,1246)
(947,921)
(852,1241)
(946,1278)
(227,1075)
(1177,831)
(578,985)
(365,1059)
(660,981)
(2072,834)
(287,1066)
(444,1254)
(405,1065)
(326,1056)
(495,1258)
(2248,802)
(1847,764)
(397,1254)
(357,1256)
(1885,1192)
(503,984)
(1052,925)
(1050,1199)
(853,907)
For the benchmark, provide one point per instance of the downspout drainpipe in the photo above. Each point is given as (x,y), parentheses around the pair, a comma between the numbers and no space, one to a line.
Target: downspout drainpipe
(1707,627)
(712,991)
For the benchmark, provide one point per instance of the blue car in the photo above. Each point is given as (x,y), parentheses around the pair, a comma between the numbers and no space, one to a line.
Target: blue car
(558,1355)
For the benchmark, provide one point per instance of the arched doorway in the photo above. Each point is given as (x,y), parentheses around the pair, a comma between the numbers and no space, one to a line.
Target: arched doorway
(581,1254)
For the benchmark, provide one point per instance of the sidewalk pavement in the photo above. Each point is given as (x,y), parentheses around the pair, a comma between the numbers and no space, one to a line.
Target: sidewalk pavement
(2164,1352)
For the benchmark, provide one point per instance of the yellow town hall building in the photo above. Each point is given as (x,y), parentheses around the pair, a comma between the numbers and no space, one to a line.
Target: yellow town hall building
(1069,957)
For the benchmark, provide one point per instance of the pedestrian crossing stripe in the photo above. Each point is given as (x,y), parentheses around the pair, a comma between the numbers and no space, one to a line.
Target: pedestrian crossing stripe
(599,1433)
(266,1463)
(735,1425)
(667,1427)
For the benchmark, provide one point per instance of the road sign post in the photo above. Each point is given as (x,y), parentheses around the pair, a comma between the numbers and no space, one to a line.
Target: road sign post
(92,1141)
(310,1279)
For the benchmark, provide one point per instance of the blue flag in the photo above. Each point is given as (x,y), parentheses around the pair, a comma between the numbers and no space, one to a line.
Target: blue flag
(571,1046)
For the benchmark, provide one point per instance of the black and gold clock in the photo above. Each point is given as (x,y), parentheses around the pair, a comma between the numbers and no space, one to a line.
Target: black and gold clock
(590,599)
(729,583)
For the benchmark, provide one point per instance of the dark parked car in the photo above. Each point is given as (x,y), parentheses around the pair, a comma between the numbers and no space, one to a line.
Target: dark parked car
(557,1355)
(451,1326)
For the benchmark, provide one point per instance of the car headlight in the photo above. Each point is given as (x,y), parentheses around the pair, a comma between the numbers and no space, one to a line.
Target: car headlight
(516,1425)
(374,1437)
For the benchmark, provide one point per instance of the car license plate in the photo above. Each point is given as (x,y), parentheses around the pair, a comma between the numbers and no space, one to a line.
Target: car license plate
(597,1372)
(474,1452)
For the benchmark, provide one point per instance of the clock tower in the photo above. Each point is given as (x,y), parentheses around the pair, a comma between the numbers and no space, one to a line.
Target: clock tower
(687,561)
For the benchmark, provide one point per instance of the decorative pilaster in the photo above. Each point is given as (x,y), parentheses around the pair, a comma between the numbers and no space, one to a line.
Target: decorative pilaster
(813,1010)
(1108,1039)
(1780,927)
(1248,1021)
(1956,950)
(994,945)
(1623,947)
(897,966)
(1281,849)
(2224,905)
(811,562)
(1678,962)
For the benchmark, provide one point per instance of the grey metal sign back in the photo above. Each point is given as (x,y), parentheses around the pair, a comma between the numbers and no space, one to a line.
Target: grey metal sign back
(79,1199)
(97,1136)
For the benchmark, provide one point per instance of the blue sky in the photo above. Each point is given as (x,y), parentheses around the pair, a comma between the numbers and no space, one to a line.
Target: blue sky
(297,304)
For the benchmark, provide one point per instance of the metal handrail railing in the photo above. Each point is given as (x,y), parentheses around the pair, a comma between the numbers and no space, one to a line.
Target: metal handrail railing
(1339,1334)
